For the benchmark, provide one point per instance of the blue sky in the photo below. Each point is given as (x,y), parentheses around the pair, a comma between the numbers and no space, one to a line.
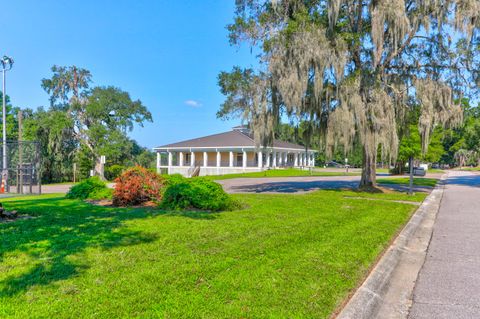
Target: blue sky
(165,53)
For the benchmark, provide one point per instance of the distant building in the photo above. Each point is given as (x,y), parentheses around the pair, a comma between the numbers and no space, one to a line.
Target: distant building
(228,153)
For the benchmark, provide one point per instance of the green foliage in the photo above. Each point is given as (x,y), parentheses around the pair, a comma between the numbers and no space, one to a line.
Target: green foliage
(91,188)
(199,193)
(174,179)
(81,124)
(114,171)
(146,158)
(103,193)
(84,123)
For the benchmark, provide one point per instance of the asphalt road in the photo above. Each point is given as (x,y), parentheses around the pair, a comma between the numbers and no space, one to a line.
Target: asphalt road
(448,285)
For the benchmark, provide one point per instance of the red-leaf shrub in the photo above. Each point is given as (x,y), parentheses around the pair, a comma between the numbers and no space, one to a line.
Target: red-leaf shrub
(137,185)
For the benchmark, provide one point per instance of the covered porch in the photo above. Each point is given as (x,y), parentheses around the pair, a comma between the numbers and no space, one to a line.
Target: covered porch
(220,161)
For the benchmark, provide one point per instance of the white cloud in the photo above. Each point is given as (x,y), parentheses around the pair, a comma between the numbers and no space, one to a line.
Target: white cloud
(193,103)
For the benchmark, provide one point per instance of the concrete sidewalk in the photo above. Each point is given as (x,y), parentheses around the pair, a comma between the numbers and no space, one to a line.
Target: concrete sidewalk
(448,285)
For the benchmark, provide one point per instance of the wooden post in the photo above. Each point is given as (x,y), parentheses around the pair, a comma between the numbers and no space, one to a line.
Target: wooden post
(20,154)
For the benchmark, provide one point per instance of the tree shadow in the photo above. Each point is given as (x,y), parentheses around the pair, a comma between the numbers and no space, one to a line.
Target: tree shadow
(61,229)
(464,180)
(292,187)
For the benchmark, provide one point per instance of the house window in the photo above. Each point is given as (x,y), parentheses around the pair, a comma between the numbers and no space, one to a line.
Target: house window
(188,158)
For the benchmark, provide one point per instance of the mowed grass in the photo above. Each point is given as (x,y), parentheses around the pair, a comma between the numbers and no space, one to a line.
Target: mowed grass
(417,181)
(288,172)
(284,256)
(472,169)
(430,170)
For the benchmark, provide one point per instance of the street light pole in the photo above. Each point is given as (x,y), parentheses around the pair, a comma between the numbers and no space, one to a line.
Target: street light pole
(7,64)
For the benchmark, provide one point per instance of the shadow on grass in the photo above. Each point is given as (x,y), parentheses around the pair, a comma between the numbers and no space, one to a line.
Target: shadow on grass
(292,187)
(63,228)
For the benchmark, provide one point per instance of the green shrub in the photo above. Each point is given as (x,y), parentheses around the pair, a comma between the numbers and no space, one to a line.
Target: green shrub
(174,179)
(105,193)
(92,186)
(199,193)
(114,171)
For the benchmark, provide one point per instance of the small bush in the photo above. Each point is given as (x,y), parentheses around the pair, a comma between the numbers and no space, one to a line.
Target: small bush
(106,193)
(197,193)
(137,185)
(92,186)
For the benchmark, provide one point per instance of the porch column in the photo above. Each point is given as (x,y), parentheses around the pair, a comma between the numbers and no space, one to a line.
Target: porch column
(244,159)
(274,164)
(285,159)
(230,159)
(260,159)
(268,159)
(280,159)
(192,159)
(158,162)
(295,160)
(180,159)
(312,160)
(170,159)
(205,159)
(303,160)
(219,159)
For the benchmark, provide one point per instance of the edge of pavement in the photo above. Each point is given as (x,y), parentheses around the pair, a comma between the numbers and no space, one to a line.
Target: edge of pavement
(387,292)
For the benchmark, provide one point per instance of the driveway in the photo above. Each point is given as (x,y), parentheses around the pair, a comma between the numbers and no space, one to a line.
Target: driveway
(61,188)
(448,285)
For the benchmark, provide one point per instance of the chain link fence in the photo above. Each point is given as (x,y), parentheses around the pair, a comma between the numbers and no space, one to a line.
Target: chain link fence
(21,174)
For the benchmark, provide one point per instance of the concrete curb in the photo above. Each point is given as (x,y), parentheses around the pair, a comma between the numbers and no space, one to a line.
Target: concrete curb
(387,291)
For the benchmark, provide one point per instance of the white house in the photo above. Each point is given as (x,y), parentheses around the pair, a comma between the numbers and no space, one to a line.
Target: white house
(228,153)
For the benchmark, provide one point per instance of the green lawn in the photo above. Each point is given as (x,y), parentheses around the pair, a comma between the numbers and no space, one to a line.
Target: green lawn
(417,181)
(285,256)
(431,170)
(470,169)
(289,172)
(435,171)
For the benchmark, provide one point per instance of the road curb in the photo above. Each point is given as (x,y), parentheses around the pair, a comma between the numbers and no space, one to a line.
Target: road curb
(388,290)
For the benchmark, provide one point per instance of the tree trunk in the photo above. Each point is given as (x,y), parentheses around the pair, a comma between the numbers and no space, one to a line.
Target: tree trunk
(369,176)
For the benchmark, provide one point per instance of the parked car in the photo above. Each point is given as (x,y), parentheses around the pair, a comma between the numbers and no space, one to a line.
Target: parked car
(419,171)
(334,164)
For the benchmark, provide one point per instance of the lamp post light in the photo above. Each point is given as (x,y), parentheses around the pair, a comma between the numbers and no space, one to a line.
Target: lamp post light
(6,64)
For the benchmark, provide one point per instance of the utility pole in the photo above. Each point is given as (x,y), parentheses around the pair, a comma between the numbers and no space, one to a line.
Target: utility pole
(6,64)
